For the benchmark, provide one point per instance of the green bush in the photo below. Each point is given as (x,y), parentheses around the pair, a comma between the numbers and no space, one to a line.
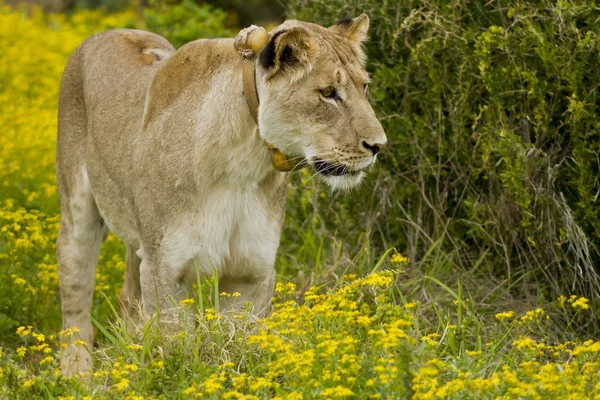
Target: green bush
(184,21)
(491,110)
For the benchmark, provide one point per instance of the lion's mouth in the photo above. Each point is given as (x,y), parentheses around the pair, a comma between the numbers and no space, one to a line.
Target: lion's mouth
(329,169)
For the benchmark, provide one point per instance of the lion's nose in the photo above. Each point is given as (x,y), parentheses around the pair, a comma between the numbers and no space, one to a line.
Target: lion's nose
(375,147)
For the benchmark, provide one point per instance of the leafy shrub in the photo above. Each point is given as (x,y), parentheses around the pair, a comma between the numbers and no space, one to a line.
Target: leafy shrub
(248,12)
(492,115)
(184,21)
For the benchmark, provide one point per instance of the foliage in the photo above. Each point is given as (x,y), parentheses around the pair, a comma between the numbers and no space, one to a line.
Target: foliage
(492,112)
(184,21)
(248,12)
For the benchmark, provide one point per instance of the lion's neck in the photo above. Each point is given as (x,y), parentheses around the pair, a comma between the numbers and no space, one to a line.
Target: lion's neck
(230,134)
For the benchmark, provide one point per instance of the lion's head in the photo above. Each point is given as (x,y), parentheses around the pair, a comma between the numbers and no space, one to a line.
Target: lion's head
(314,98)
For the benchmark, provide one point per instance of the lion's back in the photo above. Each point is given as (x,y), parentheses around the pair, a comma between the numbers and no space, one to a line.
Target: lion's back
(101,106)
(119,64)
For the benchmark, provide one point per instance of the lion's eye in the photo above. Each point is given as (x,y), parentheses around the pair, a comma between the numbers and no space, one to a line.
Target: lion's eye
(329,93)
(367,92)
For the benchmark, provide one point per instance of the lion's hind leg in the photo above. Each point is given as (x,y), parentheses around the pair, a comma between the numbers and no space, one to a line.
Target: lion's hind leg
(80,236)
(82,229)
(131,294)
(256,291)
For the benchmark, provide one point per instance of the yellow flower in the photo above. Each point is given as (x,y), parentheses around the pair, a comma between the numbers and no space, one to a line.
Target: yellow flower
(562,300)
(338,392)
(285,288)
(501,316)
(20,281)
(100,374)
(399,259)
(531,315)
(431,339)
(122,385)
(189,390)
(588,346)
(24,331)
(186,302)
(39,337)
(133,396)
(212,385)
(524,343)
(28,383)
(131,367)
(234,395)
(581,302)
(382,279)
(21,351)
(47,360)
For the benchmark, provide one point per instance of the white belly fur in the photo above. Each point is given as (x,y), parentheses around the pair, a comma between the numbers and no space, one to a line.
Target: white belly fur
(231,229)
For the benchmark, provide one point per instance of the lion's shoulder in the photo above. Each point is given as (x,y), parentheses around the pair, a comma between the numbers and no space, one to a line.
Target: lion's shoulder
(192,66)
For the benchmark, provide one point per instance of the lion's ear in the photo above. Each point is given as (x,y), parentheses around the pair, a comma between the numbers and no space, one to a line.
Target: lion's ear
(353,28)
(289,50)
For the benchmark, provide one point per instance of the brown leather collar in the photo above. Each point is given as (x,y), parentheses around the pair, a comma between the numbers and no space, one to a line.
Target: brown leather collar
(279,160)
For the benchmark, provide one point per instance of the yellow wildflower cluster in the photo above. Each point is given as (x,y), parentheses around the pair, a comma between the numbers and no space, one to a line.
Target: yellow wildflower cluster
(234,294)
(533,315)
(320,349)
(399,259)
(285,288)
(323,354)
(505,315)
(38,344)
(187,302)
(530,380)
(575,302)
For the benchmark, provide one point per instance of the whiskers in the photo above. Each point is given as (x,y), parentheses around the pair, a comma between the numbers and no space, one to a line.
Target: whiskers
(299,161)
(323,155)
(337,175)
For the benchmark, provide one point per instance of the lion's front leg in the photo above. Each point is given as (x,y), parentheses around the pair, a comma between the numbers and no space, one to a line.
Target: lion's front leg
(162,290)
(250,270)
(255,290)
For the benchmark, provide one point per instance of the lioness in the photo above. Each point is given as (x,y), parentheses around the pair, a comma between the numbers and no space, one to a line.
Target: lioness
(160,147)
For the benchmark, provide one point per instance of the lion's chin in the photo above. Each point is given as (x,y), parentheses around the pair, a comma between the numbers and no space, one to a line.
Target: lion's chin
(344,182)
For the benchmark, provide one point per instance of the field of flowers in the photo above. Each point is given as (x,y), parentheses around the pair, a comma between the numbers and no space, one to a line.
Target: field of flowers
(362,336)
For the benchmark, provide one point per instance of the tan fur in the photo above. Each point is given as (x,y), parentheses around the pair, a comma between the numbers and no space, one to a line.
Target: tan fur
(158,146)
